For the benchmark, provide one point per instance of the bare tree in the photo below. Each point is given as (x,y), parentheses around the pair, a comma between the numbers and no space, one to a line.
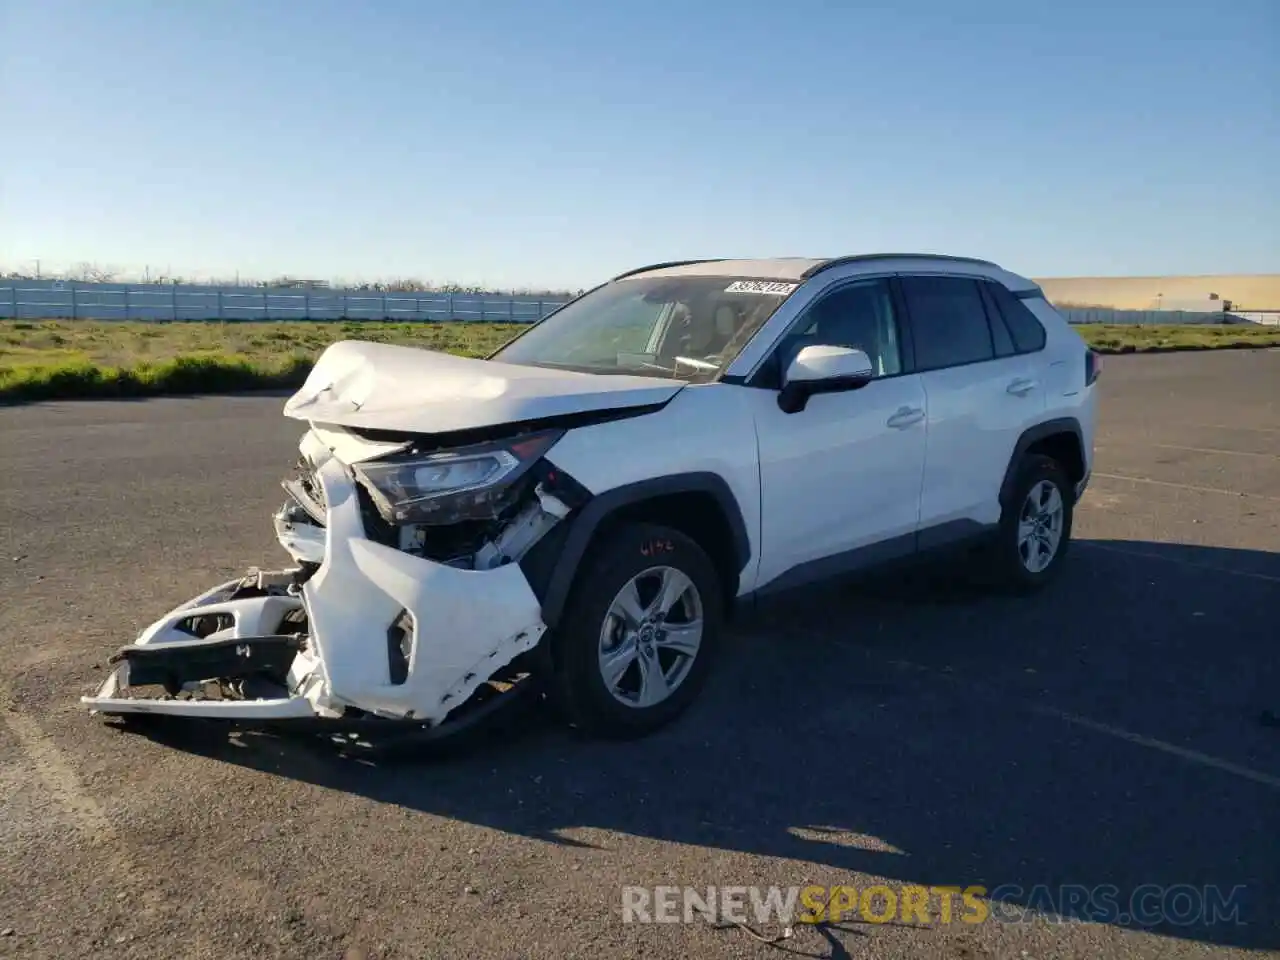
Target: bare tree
(87,272)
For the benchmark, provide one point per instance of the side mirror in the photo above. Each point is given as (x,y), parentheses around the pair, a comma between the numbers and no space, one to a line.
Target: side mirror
(819,368)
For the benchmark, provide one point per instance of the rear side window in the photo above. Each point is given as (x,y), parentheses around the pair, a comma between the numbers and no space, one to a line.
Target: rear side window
(1028,335)
(948,321)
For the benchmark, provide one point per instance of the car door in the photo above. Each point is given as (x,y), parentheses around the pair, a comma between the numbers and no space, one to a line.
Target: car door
(982,393)
(840,479)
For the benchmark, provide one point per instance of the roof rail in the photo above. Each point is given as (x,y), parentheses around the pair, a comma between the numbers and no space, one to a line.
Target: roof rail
(862,257)
(669,263)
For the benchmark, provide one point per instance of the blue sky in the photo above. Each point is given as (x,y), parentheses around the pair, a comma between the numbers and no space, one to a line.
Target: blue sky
(541,143)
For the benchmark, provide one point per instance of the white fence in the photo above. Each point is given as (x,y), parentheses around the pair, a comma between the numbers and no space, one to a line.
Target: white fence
(1108,315)
(33,300)
(1268,318)
(44,300)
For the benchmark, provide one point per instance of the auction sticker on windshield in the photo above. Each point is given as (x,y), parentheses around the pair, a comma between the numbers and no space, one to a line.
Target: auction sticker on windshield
(761,286)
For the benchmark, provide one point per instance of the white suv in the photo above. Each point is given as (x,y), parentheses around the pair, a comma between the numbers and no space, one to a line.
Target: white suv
(588,505)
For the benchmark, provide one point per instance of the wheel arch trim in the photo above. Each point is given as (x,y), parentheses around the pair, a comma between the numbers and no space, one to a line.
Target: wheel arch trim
(584,524)
(1029,437)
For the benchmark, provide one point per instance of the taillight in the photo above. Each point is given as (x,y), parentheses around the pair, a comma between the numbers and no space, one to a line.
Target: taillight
(1092,367)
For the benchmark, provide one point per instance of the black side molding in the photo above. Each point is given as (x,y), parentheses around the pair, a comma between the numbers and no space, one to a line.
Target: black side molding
(1030,436)
(551,568)
(896,552)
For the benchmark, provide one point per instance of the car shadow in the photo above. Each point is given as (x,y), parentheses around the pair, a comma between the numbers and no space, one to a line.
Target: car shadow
(1102,733)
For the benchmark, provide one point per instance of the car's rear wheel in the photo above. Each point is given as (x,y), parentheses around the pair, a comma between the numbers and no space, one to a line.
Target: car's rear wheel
(639,634)
(1035,528)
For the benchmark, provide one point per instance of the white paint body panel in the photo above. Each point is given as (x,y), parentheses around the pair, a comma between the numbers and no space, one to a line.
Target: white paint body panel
(835,476)
(352,448)
(1066,394)
(974,424)
(708,427)
(387,387)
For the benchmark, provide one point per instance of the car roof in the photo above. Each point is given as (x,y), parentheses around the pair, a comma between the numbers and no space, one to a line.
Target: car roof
(799,269)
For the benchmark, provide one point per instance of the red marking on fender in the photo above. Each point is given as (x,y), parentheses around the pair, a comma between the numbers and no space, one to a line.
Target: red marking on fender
(655,547)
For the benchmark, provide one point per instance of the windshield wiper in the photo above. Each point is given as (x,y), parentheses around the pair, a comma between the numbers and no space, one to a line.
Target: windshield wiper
(699,364)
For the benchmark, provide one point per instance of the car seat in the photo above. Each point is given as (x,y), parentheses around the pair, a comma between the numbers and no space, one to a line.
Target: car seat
(726,325)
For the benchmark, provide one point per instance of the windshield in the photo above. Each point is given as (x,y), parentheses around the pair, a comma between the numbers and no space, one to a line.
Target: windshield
(685,328)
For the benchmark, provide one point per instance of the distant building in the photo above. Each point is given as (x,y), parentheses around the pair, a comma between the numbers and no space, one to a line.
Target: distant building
(302,284)
(1202,294)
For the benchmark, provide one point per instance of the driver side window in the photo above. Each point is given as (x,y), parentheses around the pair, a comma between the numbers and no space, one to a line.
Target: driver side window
(857,315)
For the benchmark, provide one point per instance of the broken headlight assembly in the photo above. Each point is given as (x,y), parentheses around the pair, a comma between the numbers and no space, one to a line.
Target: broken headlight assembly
(447,486)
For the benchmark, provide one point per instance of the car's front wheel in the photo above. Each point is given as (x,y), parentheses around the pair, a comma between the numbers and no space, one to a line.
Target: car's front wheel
(639,633)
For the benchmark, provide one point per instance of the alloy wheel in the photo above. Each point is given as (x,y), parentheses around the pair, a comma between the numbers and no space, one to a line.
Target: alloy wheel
(1040,526)
(650,636)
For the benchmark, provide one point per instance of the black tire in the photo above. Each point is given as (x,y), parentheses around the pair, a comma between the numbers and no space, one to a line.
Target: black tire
(578,687)
(1007,564)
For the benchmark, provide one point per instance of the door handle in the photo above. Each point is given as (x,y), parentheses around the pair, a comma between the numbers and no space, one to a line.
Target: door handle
(905,417)
(1021,387)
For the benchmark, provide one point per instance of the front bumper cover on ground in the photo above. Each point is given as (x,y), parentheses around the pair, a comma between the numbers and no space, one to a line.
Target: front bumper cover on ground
(365,605)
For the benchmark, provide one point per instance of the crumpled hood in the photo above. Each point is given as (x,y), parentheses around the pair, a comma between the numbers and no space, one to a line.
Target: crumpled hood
(385,387)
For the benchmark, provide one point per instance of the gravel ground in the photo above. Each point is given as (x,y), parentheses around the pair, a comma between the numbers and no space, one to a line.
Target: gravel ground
(907,731)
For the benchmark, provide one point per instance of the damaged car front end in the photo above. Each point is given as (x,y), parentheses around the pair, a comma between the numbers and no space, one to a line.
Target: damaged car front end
(406,599)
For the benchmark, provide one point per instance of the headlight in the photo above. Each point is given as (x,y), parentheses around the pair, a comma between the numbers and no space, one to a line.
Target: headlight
(468,483)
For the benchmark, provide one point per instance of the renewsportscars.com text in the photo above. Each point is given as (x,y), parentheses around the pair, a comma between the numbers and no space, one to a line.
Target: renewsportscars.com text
(1149,905)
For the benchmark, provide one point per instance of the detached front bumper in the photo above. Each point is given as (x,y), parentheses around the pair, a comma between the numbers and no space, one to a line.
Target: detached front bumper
(380,632)
(243,619)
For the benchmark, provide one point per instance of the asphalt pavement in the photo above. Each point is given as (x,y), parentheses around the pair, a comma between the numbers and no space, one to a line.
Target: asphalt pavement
(911,730)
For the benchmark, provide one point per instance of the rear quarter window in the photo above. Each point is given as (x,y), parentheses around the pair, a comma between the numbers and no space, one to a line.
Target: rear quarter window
(1027,332)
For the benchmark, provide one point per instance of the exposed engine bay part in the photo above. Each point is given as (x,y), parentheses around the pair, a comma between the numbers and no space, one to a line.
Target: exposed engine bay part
(464,528)
(525,529)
